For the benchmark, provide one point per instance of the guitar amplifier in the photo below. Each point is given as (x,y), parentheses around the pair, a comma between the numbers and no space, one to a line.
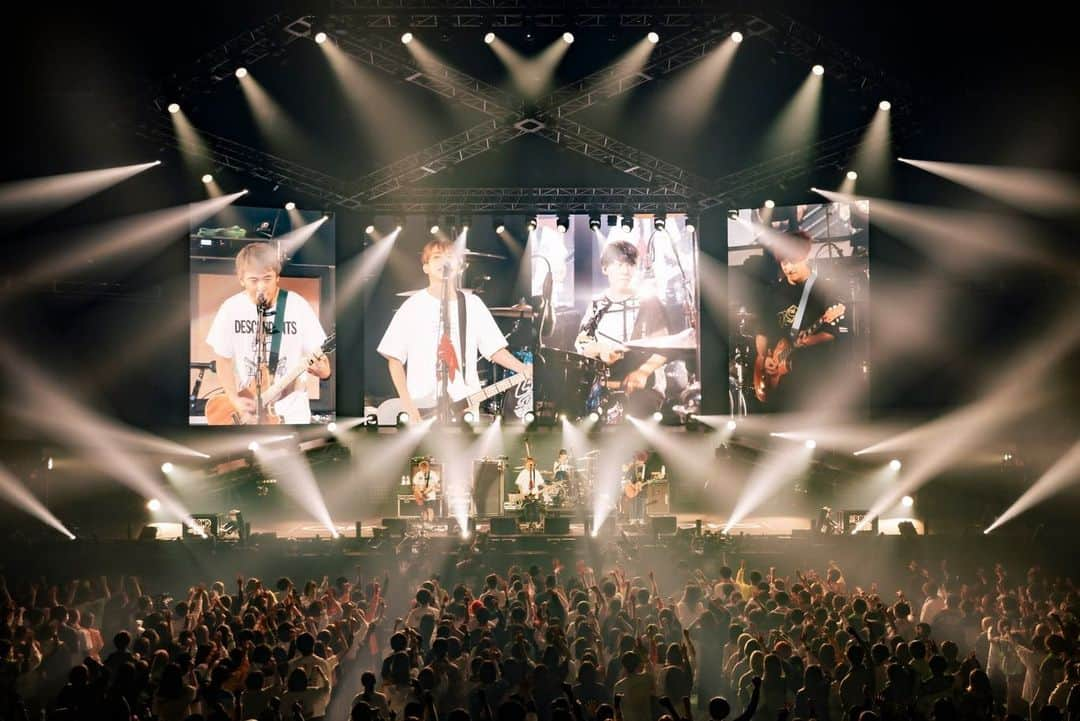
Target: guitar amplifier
(504,526)
(853,518)
(407,507)
(556,525)
(658,498)
(489,486)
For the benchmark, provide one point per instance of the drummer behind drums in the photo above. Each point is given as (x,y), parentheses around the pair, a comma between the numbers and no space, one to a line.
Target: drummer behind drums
(620,315)
(562,467)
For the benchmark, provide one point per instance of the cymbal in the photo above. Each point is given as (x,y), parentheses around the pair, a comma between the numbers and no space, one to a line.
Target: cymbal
(520,310)
(478,254)
(682,342)
(409,293)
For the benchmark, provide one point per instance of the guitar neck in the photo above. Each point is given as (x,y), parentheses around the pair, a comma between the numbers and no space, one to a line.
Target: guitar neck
(496,388)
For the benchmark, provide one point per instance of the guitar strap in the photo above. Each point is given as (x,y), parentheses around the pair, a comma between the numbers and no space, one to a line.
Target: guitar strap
(462,315)
(802,304)
(278,332)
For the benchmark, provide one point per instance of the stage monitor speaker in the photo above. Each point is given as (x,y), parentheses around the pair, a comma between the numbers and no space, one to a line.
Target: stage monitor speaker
(907,529)
(489,487)
(662,525)
(395,527)
(207,521)
(504,526)
(148,533)
(853,518)
(803,534)
(557,526)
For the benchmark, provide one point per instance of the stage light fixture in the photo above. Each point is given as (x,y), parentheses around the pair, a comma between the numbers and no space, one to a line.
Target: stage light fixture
(174,108)
(568,37)
(167,467)
(49,463)
(907,501)
(657,416)
(852,175)
(885,105)
(403,418)
(498,224)
(207,179)
(895,464)
(594,417)
(320,37)
(811,444)
(489,38)
(530,223)
(594,221)
(369,229)
(731,426)
(372,420)
(818,70)
(399,222)
(290,206)
(562,222)
(736,37)
(653,37)
(627,221)
(660,221)
(332,427)
(434,228)
(770,204)
(241,72)
(153,505)
(406,38)
(253,446)
(529,417)
(469,417)
(691,223)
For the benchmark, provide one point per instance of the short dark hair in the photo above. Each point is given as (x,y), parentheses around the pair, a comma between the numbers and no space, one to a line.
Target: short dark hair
(619,251)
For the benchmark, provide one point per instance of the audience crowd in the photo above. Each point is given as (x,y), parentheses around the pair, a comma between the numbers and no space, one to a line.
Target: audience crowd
(545,644)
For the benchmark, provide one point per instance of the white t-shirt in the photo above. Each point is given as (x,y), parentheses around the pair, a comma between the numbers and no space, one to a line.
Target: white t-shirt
(413,338)
(523,480)
(429,486)
(232,335)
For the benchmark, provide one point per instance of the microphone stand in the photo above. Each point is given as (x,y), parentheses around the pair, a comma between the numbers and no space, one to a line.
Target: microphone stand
(442,371)
(690,301)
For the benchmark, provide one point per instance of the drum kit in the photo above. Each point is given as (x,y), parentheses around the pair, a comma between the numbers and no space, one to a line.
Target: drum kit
(563,491)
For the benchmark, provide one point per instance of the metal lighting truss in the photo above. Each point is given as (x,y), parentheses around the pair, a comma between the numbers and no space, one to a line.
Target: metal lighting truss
(393,187)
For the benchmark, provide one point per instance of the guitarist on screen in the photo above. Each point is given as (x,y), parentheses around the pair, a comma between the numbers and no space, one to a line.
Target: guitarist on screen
(799,322)
(290,334)
(425,336)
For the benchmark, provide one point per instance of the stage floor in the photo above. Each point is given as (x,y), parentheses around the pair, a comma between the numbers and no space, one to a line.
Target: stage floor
(750,526)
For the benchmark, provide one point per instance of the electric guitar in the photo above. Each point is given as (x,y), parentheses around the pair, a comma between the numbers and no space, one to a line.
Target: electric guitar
(765,381)
(220,411)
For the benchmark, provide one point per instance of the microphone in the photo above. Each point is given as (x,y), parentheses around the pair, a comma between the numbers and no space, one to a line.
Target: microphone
(211,366)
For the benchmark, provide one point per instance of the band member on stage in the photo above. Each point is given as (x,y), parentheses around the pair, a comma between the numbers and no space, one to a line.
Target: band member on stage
(794,320)
(426,486)
(413,342)
(619,315)
(530,481)
(563,467)
(233,332)
(634,488)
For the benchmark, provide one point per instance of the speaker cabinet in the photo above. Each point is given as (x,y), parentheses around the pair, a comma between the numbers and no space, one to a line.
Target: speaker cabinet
(504,526)
(395,527)
(557,526)
(662,525)
(489,487)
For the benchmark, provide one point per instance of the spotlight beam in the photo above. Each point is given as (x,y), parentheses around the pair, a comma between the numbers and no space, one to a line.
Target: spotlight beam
(21,497)
(296,479)
(1029,189)
(131,237)
(1065,472)
(38,195)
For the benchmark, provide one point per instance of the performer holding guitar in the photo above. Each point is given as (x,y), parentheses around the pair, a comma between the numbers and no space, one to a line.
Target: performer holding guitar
(426,486)
(799,315)
(436,335)
(266,340)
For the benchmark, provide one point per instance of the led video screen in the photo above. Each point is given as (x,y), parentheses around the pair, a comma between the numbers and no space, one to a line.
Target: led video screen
(603,310)
(262,318)
(799,292)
